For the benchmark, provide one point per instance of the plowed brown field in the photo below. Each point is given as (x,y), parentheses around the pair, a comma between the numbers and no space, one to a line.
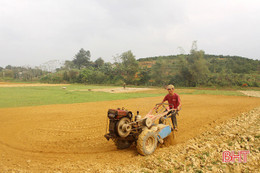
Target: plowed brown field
(70,137)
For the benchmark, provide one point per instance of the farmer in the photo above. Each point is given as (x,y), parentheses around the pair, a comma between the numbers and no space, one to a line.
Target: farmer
(174,101)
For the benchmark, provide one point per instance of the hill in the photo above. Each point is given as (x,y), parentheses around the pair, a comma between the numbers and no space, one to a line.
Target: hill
(216,63)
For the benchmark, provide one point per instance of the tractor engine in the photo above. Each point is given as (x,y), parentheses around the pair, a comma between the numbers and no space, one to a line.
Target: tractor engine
(119,123)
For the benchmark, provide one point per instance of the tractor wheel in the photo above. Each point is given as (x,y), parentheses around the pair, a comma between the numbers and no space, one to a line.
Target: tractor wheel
(147,142)
(122,144)
(123,128)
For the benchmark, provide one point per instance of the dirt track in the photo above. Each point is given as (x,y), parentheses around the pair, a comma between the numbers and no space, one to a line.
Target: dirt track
(122,90)
(70,137)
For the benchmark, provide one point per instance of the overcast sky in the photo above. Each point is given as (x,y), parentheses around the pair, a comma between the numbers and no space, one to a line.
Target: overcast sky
(35,31)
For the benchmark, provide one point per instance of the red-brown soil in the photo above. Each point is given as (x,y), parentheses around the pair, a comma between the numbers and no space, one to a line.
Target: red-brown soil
(69,138)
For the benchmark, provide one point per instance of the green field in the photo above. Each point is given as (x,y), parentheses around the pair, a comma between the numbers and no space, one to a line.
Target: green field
(45,95)
(42,95)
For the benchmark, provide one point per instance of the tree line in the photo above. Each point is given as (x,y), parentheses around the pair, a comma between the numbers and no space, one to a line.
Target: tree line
(82,70)
(191,70)
(13,73)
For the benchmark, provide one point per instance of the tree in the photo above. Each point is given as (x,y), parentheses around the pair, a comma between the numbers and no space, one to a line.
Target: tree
(68,65)
(9,67)
(82,58)
(194,68)
(144,76)
(129,66)
(66,76)
(73,75)
(99,63)
(161,71)
(92,76)
(197,67)
(183,76)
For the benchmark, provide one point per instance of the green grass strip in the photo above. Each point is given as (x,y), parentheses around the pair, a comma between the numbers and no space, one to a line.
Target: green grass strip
(46,95)
(34,96)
